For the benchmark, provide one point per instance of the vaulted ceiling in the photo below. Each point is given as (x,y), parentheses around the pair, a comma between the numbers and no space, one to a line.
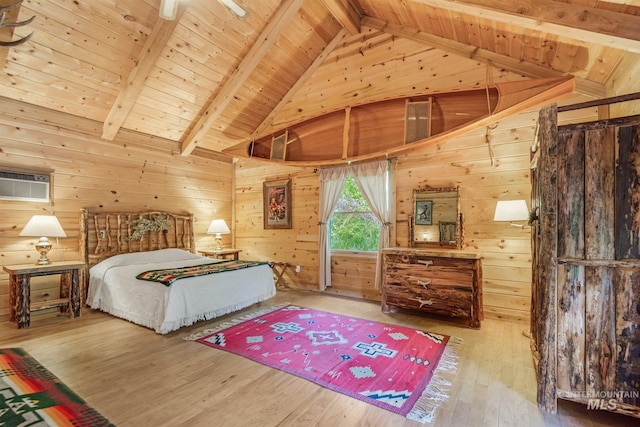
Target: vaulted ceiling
(209,80)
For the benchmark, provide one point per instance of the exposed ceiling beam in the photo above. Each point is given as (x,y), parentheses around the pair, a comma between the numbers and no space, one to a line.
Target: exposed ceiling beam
(583,86)
(137,78)
(268,121)
(288,9)
(582,23)
(345,14)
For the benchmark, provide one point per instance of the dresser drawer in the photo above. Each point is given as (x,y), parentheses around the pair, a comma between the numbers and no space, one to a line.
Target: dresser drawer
(415,293)
(427,261)
(436,271)
(428,282)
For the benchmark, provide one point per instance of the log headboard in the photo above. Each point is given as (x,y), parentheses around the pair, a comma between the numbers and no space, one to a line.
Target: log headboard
(105,234)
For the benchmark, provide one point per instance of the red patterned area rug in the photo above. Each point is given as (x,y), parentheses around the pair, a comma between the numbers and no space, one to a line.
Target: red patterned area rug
(30,395)
(393,367)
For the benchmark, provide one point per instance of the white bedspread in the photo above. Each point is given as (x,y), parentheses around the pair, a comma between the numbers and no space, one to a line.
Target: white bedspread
(114,289)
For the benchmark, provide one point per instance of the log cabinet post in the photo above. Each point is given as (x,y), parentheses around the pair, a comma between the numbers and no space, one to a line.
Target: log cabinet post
(585,313)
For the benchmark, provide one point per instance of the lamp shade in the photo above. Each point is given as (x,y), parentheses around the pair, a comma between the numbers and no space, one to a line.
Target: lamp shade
(511,210)
(218,226)
(43,225)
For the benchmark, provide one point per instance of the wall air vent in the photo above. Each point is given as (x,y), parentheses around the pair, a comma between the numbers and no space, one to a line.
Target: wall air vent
(28,187)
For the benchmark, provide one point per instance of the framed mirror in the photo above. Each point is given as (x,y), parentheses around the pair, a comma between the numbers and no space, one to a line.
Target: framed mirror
(436,220)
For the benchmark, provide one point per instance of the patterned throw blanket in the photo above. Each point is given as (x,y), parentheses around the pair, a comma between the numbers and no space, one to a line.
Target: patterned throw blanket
(30,395)
(169,275)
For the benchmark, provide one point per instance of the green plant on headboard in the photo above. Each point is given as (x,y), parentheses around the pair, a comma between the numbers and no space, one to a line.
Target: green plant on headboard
(144,225)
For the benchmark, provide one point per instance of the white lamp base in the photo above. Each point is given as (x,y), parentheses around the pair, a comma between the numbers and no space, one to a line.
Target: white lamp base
(218,242)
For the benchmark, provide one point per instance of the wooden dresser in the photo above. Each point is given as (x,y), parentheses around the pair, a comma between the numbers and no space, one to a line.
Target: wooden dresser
(445,282)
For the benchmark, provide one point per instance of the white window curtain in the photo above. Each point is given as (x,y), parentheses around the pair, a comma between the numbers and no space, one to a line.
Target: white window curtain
(331,183)
(371,178)
(372,181)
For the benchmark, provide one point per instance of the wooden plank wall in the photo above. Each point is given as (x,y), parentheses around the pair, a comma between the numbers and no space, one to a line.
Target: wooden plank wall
(487,166)
(295,246)
(138,172)
(465,162)
(624,81)
(134,172)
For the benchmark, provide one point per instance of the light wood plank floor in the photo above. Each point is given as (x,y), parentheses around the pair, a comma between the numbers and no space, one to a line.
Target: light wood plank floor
(135,377)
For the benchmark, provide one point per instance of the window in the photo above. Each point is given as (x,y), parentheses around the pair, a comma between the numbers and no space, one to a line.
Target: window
(353,227)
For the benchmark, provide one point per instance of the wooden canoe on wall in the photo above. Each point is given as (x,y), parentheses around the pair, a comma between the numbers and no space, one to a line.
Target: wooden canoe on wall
(395,126)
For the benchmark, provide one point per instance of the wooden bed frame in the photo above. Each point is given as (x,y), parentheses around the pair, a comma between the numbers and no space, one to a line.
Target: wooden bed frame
(105,234)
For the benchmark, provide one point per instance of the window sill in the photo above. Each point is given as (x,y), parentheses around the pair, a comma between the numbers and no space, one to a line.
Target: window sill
(354,253)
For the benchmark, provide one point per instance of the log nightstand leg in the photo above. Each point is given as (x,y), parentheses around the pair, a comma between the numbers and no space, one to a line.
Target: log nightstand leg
(75,294)
(23,301)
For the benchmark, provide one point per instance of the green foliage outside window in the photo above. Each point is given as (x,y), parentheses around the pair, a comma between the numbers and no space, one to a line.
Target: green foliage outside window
(353,226)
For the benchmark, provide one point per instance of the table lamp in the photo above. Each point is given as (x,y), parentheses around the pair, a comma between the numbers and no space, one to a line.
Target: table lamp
(511,210)
(218,227)
(44,226)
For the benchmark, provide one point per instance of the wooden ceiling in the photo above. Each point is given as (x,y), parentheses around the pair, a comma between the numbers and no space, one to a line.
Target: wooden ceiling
(209,80)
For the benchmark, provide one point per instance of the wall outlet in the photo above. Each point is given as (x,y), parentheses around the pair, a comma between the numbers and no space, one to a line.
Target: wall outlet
(297,269)
(103,234)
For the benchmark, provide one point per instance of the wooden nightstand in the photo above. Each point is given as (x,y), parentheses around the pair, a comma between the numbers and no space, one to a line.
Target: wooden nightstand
(20,306)
(222,253)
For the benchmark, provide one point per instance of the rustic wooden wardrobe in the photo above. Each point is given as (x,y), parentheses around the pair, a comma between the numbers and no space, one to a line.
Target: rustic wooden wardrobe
(585,319)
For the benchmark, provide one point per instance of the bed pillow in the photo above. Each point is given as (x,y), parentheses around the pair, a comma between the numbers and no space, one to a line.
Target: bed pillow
(136,258)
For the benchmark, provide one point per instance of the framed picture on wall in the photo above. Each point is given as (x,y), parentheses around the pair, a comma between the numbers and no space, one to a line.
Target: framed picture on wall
(277,204)
(423,212)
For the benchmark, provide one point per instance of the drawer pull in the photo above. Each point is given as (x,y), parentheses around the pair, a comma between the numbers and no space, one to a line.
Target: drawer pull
(424,284)
(424,302)
(425,262)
